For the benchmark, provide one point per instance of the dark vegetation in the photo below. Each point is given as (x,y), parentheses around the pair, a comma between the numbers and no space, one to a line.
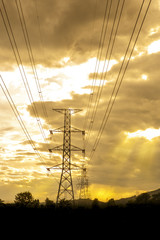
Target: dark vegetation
(28,213)
(114,217)
(24,201)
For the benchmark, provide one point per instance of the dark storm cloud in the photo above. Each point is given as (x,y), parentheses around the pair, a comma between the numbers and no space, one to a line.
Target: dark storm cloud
(138,98)
(136,106)
(63,27)
(130,162)
(69,28)
(55,119)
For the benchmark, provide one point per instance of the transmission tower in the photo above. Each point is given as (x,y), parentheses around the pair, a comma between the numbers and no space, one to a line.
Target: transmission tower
(83,184)
(65,184)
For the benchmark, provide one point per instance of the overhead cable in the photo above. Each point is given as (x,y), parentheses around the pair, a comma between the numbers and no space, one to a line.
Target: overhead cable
(19,119)
(115,91)
(107,58)
(15,50)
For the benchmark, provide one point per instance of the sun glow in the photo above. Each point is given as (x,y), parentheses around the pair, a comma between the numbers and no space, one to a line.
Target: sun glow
(71,78)
(105,193)
(144,77)
(154,30)
(154,47)
(149,133)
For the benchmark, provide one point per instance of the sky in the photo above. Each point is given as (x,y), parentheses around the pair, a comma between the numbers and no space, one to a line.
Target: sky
(65,42)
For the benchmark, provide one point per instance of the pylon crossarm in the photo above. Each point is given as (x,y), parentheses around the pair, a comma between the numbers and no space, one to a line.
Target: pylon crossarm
(75,165)
(63,110)
(57,148)
(74,148)
(54,167)
(57,130)
(75,130)
(60,148)
(57,166)
(61,129)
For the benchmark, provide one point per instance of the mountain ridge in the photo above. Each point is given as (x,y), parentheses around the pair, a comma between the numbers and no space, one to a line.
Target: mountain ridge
(122,201)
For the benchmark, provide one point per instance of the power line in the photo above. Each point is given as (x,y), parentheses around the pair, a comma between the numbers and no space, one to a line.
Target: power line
(110,47)
(15,50)
(110,105)
(30,54)
(99,55)
(19,119)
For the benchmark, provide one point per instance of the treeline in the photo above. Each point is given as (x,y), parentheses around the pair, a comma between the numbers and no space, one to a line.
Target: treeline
(144,199)
(27,211)
(30,214)
(26,200)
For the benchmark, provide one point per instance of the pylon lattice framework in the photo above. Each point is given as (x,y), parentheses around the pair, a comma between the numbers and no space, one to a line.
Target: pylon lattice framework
(66,185)
(83,184)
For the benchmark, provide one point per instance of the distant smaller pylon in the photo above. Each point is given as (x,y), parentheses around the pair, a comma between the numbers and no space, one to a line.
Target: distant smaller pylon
(83,184)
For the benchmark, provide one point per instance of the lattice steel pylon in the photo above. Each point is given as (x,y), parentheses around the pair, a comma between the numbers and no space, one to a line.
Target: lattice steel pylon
(66,184)
(83,184)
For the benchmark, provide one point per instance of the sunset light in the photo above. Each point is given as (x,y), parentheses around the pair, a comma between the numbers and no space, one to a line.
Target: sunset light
(154,47)
(79,99)
(149,133)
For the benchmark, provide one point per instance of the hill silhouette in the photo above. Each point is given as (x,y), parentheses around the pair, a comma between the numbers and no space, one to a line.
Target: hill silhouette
(26,200)
(83,213)
(26,206)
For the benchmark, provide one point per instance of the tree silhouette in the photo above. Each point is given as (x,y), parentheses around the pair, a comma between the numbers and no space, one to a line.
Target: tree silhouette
(143,198)
(95,204)
(64,204)
(49,203)
(155,199)
(24,199)
(1,203)
(111,203)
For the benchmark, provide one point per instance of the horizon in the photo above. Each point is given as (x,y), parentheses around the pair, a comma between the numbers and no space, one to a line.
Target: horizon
(98,56)
(151,193)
